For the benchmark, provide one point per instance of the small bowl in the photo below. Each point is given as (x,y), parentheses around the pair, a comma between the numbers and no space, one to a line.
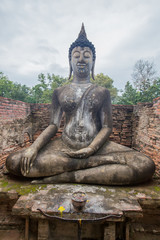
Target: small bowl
(79,200)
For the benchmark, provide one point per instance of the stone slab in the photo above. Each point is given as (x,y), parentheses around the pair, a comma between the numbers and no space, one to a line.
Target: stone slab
(102,200)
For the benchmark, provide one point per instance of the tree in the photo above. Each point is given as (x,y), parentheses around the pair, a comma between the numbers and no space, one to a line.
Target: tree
(152,92)
(129,96)
(5,85)
(143,74)
(12,90)
(133,96)
(107,82)
(147,87)
(42,92)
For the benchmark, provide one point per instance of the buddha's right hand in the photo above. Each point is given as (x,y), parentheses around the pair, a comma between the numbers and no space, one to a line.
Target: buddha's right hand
(28,156)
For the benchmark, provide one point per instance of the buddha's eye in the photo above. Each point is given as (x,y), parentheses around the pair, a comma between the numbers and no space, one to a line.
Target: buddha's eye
(87,54)
(76,54)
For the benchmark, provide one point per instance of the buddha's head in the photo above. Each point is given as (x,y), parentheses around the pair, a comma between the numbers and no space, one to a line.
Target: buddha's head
(82,56)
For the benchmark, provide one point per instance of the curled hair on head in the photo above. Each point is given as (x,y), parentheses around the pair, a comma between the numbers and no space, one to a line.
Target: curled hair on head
(82,41)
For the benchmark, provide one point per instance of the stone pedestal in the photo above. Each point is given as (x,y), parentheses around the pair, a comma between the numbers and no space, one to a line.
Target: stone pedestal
(99,218)
(137,207)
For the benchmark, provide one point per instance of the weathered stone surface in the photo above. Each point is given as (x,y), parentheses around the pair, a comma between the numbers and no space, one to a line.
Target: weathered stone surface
(102,201)
(24,122)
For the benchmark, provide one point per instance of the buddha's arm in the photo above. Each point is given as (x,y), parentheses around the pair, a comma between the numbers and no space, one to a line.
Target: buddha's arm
(104,133)
(100,139)
(44,137)
(30,153)
(106,122)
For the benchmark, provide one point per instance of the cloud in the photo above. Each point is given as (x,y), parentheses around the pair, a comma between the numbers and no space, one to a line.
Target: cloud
(36,35)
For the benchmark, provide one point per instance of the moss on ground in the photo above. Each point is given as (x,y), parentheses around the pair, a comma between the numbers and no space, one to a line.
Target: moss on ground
(20,188)
(24,186)
(157,188)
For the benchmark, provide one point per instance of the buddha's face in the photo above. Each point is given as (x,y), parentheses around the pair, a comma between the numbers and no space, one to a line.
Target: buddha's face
(82,61)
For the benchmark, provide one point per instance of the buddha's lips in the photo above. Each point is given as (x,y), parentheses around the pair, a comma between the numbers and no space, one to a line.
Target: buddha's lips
(81,64)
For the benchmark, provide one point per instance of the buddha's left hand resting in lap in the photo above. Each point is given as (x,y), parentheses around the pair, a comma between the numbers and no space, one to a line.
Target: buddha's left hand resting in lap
(83,154)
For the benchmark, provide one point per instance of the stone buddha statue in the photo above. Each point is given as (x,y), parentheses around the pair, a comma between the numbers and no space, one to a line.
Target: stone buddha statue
(83,154)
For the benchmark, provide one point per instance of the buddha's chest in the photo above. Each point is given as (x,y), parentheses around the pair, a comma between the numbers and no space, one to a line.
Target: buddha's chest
(72,99)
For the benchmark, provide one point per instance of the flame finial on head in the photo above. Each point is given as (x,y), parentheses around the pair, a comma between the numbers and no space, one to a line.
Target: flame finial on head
(82,32)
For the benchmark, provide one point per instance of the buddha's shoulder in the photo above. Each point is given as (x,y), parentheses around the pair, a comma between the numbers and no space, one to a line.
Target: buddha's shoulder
(101,89)
(94,87)
(61,89)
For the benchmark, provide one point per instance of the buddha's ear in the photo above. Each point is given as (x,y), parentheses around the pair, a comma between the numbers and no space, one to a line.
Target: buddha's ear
(92,70)
(70,70)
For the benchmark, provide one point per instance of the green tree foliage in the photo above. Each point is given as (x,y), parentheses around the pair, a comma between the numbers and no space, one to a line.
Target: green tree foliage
(147,86)
(153,91)
(42,92)
(12,90)
(107,82)
(129,96)
(132,96)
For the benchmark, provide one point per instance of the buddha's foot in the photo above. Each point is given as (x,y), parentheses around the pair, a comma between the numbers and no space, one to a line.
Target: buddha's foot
(41,181)
(38,181)
(60,178)
(45,180)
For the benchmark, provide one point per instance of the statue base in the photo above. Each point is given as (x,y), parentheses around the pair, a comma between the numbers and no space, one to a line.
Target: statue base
(110,213)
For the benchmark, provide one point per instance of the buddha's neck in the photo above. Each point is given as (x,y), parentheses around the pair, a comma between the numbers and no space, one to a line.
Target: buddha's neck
(80,80)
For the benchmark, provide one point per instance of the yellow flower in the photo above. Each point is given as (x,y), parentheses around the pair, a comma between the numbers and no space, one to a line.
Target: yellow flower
(80,221)
(61,209)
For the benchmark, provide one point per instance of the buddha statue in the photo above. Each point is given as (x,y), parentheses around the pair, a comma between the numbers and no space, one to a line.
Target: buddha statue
(83,154)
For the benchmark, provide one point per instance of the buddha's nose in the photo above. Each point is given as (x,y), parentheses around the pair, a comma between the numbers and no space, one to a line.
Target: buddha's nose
(81,58)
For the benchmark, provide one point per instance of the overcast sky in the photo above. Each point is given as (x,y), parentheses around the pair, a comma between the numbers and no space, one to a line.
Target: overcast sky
(35,36)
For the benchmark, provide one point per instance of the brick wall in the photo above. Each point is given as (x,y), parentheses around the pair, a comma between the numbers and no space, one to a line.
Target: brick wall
(122,121)
(133,126)
(13,109)
(14,118)
(122,124)
(40,115)
(146,130)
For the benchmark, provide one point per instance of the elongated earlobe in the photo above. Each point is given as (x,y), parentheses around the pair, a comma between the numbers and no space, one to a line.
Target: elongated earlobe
(92,71)
(70,70)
